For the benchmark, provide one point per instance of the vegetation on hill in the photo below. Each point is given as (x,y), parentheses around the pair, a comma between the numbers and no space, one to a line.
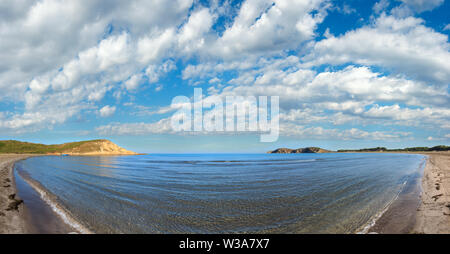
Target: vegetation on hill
(408,149)
(374,149)
(301,150)
(99,146)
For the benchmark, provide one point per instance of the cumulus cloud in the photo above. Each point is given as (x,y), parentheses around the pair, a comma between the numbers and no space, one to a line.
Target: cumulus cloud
(409,7)
(403,45)
(78,78)
(380,6)
(289,130)
(338,97)
(107,111)
(395,70)
(270,26)
(69,27)
(155,72)
(336,134)
(160,127)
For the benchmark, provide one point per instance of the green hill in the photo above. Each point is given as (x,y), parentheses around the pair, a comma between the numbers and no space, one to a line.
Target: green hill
(408,149)
(91,147)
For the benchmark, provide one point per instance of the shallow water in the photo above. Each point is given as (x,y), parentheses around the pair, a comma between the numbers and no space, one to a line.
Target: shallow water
(224,193)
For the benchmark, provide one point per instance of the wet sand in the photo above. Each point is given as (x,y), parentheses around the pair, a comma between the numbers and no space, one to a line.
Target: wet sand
(428,214)
(423,207)
(22,210)
(433,215)
(400,217)
(12,210)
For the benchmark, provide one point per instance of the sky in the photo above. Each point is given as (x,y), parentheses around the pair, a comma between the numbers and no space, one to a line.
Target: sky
(349,74)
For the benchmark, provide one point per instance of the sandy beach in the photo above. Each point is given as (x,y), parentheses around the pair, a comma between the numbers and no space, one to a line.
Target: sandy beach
(429,214)
(433,215)
(12,211)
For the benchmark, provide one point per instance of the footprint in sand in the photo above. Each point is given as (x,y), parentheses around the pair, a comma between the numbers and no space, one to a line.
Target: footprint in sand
(436,197)
(14,205)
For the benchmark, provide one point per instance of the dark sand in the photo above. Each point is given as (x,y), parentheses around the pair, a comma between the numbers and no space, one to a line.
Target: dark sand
(423,207)
(22,211)
(400,217)
(12,211)
(428,214)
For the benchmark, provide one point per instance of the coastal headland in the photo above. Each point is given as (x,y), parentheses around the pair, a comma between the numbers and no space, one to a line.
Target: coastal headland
(432,211)
(13,217)
(90,147)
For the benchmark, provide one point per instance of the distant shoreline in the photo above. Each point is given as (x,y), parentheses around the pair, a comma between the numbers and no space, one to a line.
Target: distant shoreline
(440,148)
(431,216)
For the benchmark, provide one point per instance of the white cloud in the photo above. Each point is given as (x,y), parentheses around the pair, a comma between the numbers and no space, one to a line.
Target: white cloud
(107,111)
(69,28)
(270,26)
(152,48)
(96,49)
(405,46)
(191,36)
(160,127)
(420,5)
(155,71)
(88,72)
(336,134)
(380,6)
(339,97)
(133,82)
(164,127)
(357,84)
(214,80)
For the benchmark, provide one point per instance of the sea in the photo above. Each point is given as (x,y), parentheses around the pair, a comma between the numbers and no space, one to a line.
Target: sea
(215,193)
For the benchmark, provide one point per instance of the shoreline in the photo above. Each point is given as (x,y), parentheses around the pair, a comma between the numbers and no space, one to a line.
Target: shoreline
(421,207)
(13,213)
(52,218)
(50,200)
(433,214)
(424,207)
(399,216)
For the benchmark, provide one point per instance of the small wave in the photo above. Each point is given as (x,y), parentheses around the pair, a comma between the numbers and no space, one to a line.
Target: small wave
(373,221)
(231,161)
(61,212)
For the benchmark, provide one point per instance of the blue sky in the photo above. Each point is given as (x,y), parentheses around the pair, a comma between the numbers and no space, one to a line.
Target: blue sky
(349,74)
